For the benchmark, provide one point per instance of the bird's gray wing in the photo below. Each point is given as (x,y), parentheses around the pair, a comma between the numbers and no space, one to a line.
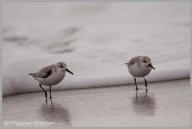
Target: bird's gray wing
(131,62)
(45,72)
(134,60)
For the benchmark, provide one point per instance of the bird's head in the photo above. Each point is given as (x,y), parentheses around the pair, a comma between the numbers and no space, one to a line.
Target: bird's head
(63,66)
(145,62)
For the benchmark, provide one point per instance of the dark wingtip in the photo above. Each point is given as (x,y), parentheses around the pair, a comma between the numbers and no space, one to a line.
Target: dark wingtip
(30,74)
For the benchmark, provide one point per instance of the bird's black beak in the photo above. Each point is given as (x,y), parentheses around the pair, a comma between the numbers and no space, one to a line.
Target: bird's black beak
(69,71)
(150,65)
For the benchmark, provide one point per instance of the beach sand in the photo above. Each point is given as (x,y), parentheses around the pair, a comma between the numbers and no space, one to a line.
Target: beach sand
(166,104)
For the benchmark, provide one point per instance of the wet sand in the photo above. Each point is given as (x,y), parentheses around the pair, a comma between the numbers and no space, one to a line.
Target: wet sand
(166,104)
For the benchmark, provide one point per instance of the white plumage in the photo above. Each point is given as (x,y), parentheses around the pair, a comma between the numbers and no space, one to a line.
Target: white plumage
(51,75)
(140,66)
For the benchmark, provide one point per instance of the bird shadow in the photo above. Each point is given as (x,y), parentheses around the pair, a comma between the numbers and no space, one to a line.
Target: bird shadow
(143,104)
(55,113)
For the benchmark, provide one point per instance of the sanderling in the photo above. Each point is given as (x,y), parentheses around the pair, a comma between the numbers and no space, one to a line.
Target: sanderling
(50,75)
(140,66)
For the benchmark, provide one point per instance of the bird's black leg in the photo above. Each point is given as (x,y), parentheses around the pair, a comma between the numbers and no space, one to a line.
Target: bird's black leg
(135,83)
(44,91)
(136,95)
(50,92)
(145,83)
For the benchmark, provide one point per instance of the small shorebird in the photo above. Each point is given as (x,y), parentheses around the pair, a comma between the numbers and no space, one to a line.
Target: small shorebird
(50,75)
(140,66)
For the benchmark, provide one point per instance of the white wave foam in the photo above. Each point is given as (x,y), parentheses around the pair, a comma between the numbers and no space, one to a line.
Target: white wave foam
(86,75)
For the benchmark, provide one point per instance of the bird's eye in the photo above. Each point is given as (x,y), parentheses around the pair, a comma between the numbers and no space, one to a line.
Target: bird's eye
(144,61)
(61,66)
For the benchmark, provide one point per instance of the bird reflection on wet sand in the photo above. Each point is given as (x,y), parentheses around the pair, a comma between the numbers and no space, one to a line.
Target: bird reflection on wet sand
(55,113)
(144,104)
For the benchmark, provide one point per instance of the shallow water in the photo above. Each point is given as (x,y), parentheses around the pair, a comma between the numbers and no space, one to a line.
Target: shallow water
(166,104)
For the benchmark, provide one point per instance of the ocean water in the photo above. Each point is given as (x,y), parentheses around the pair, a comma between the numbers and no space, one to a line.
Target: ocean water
(94,40)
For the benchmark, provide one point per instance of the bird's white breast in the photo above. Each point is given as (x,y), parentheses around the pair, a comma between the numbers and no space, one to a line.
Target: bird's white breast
(137,71)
